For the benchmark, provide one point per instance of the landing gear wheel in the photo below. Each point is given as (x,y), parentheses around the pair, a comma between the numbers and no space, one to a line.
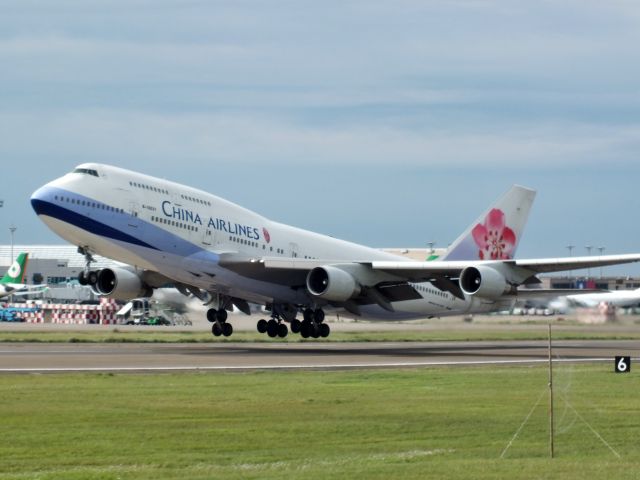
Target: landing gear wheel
(212,314)
(318,315)
(296,325)
(82,278)
(92,278)
(272,328)
(305,329)
(221,315)
(262,325)
(282,330)
(307,314)
(216,329)
(314,331)
(324,330)
(227,329)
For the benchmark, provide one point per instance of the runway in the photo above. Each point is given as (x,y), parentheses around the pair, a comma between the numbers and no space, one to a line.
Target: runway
(146,357)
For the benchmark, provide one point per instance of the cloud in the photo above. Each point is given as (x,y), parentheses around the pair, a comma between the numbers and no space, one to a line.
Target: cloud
(102,135)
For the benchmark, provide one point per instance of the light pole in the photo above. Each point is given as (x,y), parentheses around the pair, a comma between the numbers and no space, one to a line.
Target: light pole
(588,247)
(12,229)
(601,250)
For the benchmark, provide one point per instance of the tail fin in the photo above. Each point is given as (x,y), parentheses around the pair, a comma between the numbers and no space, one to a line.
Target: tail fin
(17,270)
(496,234)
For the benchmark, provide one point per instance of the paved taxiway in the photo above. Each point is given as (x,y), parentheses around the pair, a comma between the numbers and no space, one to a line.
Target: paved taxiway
(31,357)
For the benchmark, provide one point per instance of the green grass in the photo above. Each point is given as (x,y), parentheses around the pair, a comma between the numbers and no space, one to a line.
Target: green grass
(422,423)
(121,335)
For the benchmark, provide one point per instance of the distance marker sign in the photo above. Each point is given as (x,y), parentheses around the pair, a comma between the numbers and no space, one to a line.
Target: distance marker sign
(623,364)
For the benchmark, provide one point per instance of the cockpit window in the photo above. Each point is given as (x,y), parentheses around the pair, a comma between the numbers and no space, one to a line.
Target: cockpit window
(86,171)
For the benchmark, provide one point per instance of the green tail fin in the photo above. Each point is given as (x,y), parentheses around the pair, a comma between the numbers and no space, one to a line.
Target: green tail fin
(17,270)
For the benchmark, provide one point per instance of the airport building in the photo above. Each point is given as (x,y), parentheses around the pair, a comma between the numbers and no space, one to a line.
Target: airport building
(51,264)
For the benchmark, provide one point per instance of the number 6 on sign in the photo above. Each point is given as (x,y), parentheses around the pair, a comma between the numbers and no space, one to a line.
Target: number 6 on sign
(623,364)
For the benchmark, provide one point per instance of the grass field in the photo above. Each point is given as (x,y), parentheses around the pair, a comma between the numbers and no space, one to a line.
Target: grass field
(422,423)
(121,335)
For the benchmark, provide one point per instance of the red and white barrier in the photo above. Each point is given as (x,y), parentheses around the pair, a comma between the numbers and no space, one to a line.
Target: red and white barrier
(103,313)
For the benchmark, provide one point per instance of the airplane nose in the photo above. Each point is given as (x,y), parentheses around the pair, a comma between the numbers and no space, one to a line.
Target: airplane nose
(40,199)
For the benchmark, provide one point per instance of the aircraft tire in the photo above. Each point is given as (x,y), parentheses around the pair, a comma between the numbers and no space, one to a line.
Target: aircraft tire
(222,315)
(216,329)
(307,315)
(82,278)
(318,315)
(211,315)
(262,325)
(282,330)
(305,329)
(227,329)
(314,331)
(295,326)
(324,330)
(272,328)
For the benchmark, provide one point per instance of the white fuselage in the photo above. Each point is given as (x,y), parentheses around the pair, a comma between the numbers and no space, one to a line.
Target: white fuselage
(618,298)
(181,232)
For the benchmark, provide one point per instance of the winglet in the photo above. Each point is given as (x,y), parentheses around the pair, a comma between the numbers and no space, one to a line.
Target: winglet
(17,270)
(496,233)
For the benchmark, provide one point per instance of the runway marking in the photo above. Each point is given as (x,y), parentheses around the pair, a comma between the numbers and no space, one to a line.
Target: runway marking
(299,367)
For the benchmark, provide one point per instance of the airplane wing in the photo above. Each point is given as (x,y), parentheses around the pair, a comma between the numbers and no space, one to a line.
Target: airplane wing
(293,270)
(535,266)
(548,265)
(374,276)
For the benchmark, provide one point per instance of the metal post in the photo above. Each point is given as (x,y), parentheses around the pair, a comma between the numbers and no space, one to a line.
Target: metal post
(551,452)
(12,229)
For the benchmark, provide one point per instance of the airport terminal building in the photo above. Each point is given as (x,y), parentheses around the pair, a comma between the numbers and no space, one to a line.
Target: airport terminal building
(51,264)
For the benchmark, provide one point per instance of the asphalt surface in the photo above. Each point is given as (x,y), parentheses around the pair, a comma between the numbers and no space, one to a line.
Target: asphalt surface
(62,357)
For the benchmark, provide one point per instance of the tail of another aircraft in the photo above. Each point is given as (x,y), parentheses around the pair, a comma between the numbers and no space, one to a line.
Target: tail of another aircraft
(17,270)
(496,234)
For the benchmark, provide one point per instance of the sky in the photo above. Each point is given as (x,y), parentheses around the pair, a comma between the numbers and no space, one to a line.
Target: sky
(387,123)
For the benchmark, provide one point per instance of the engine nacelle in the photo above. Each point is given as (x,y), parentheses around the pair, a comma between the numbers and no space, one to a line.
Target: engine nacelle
(121,284)
(332,283)
(484,282)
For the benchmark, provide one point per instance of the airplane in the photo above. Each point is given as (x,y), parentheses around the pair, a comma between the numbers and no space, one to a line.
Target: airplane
(616,298)
(13,281)
(226,255)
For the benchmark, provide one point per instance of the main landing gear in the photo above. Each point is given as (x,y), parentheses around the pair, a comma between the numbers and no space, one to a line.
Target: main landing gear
(311,326)
(219,320)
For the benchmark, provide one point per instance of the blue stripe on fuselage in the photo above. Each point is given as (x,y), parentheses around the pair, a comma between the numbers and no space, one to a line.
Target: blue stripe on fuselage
(111,224)
(43,207)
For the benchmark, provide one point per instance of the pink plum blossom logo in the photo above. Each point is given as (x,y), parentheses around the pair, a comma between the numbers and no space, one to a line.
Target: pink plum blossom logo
(495,240)
(266,235)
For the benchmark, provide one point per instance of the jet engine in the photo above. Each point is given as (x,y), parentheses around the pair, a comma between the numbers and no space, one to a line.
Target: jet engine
(121,284)
(332,283)
(484,282)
